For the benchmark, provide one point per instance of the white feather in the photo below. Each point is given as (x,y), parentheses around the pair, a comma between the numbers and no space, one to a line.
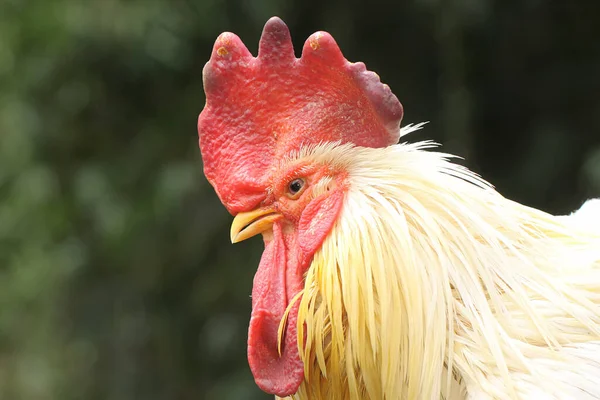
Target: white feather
(429,268)
(588,216)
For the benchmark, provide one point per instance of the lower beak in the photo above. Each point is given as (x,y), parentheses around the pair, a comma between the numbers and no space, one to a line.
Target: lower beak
(251,223)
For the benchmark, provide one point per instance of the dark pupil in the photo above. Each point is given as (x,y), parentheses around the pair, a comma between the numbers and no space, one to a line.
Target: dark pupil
(295,185)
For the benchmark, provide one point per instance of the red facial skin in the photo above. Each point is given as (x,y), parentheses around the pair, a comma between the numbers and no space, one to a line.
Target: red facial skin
(290,246)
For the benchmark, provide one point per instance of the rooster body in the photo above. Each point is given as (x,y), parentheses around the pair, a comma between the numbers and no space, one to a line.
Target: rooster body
(388,272)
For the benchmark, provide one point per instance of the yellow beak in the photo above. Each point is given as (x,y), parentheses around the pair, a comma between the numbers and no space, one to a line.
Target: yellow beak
(251,223)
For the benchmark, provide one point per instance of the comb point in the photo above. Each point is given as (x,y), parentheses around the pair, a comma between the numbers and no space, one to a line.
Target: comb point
(276,42)
(228,59)
(384,101)
(322,46)
(229,47)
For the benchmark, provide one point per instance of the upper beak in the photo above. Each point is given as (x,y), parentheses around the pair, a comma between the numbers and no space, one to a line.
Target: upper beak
(251,223)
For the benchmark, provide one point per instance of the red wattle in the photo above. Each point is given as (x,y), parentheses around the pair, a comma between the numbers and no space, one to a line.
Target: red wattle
(278,279)
(273,289)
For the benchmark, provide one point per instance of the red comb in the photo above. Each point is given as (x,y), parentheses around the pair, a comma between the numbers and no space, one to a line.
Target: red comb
(260,108)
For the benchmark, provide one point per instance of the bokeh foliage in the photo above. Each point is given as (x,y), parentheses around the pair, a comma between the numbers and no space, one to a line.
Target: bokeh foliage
(117,279)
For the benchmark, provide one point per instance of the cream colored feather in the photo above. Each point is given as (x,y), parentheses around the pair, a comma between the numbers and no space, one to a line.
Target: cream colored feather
(432,285)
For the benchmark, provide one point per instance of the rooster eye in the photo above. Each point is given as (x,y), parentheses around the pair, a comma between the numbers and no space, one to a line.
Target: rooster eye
(295,187)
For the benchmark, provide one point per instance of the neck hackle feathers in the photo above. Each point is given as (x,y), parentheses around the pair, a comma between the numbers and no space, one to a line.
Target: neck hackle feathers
(258,109)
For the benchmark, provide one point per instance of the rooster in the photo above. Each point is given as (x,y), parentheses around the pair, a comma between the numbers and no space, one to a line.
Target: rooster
(389,272)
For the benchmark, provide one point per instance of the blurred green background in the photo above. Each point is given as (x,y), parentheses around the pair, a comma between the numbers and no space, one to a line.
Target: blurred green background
(117,278)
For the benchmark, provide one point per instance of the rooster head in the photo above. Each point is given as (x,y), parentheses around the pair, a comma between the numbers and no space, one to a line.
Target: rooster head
(261,114)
